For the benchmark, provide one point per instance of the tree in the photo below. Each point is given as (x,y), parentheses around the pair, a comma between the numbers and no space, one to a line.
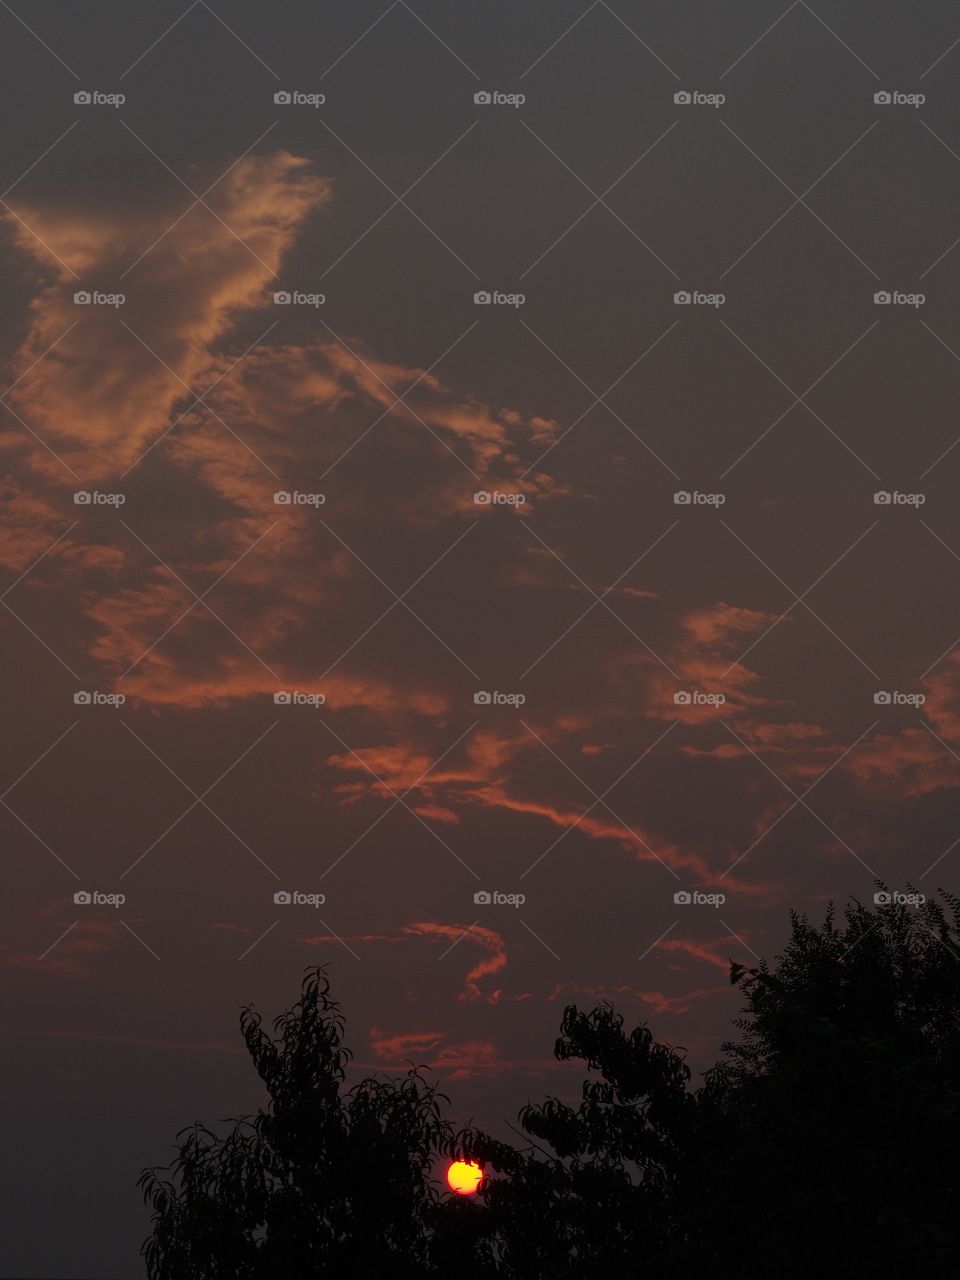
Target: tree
(287,1193)
(824,1138)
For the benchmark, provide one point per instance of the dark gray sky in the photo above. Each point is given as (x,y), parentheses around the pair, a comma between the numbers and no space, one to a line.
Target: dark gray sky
(777,614)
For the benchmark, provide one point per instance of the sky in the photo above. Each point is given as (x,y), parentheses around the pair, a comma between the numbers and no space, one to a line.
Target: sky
(490,530)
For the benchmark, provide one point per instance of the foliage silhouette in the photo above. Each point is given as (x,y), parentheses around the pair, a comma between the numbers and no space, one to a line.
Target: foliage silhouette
(824,1138)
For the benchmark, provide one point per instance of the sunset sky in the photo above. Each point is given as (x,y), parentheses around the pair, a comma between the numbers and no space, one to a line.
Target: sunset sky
(583,597)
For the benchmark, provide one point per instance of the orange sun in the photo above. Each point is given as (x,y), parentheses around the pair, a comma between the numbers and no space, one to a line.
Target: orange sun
(464,1177)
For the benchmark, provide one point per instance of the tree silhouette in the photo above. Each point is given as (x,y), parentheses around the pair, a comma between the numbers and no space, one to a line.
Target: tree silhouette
(824,1138)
